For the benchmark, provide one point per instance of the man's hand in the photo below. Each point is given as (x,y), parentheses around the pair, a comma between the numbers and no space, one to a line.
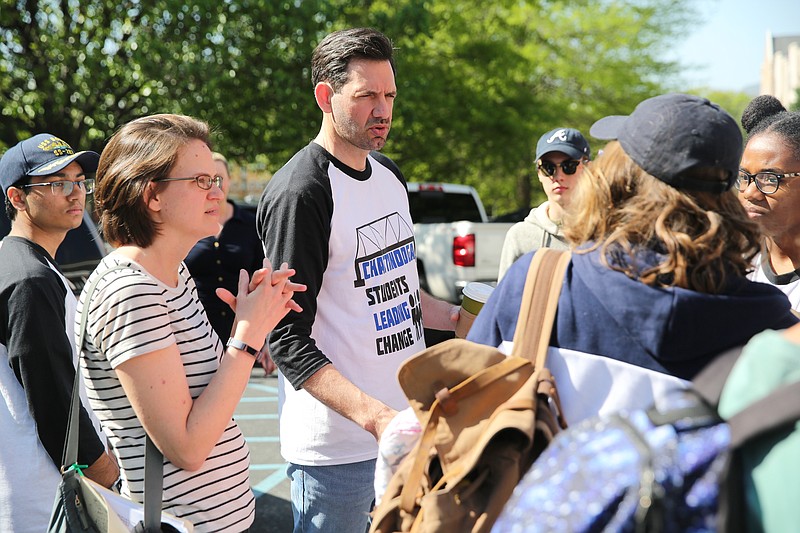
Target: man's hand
(331,388)
(104,471)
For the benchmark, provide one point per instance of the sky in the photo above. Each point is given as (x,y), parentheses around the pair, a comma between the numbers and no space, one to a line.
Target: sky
(727,44)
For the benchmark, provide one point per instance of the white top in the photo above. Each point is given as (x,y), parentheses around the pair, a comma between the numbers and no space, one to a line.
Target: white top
(132,314)
(788,283)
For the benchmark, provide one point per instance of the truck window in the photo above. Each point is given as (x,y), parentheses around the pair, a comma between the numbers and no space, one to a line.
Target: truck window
(429,207)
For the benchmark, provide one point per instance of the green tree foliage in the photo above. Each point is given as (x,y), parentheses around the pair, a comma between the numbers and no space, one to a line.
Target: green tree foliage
(81,69)
(478,80)
(796,105)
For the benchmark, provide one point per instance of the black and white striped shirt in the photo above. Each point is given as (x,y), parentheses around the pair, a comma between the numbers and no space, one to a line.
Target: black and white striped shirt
(131,314)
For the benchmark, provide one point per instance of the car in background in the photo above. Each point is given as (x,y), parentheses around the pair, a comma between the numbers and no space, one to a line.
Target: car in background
(78,255)
(456,242)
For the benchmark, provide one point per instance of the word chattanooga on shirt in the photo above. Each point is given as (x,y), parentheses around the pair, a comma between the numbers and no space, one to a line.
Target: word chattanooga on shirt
(390,259)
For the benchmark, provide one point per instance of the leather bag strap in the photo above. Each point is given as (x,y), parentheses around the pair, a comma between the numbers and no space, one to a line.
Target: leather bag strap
(154,459)
(539,304)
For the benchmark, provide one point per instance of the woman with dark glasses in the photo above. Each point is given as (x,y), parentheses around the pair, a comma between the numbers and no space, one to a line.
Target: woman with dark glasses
(560,157)
(769,190)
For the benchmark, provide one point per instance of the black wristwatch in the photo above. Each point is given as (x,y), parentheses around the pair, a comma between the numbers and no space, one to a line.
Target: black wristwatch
(239,345)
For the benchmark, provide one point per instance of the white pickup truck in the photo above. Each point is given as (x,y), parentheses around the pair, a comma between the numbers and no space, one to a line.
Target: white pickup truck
(455,241)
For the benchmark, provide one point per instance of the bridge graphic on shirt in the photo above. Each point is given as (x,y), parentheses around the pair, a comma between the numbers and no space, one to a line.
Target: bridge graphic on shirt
(383,245)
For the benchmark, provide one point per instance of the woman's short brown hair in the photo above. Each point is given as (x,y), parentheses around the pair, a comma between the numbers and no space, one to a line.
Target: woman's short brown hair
(620,208)
(140,151)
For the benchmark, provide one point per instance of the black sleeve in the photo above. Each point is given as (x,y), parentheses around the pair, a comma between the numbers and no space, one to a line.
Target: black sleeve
(293,221)
(40,354)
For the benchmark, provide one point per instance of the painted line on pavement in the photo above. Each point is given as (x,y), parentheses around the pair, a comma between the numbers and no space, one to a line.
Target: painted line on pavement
(264,388)
(260,439)
(254,399)
(271,481)
(255,417)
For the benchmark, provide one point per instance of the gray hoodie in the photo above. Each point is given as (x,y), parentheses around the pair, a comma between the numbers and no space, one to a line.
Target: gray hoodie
(536,231)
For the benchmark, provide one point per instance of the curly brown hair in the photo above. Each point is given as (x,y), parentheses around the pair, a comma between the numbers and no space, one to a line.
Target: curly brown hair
(704,237)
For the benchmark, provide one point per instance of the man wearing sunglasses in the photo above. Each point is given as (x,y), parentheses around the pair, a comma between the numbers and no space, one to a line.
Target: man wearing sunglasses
(560,157)
(45,184)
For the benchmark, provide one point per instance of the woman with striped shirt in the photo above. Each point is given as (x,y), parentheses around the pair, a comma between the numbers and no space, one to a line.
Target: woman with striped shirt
(152,363)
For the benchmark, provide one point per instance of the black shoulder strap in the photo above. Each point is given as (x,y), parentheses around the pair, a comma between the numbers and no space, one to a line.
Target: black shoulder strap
(154,459)
(708,383)
(779,408)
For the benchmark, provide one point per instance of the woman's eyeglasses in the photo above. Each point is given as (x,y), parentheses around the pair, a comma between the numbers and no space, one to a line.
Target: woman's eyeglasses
(64,187)
(548,168)
(766,182)
(204,181)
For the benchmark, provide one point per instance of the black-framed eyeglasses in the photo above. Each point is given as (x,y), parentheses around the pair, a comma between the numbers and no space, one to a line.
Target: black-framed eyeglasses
(767,182)
(548,168)
(204,181)
(64,187)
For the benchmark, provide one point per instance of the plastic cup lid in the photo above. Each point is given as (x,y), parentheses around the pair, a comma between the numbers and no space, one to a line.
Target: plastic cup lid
(477,291)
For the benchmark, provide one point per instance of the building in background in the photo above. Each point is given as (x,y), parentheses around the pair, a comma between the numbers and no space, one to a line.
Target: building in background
(780,72)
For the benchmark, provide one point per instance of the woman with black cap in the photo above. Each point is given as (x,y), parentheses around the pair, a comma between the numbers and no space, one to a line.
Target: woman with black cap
(656,285)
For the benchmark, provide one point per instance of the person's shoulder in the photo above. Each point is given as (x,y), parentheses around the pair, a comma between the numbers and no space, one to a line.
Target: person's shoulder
(311,162)
(306,173)
(22,260)
(388,163)
(517,273)
(243,214)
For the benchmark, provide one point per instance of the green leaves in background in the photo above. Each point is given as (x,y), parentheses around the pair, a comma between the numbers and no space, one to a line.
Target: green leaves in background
(478,80)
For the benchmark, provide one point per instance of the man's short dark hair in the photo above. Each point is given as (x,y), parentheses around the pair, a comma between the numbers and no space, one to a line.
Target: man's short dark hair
(333,54)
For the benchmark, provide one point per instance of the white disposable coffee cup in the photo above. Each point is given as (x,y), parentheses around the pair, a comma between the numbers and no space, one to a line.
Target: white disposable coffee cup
(475,294)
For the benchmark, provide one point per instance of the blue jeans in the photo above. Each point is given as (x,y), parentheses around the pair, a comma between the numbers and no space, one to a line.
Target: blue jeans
(332,499)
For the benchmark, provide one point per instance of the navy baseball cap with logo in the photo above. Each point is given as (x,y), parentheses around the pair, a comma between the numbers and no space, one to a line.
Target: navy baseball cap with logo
(672,134)
(41,155)
(566,140)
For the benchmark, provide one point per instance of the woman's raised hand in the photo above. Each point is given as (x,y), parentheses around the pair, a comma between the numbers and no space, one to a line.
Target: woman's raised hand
(261,301)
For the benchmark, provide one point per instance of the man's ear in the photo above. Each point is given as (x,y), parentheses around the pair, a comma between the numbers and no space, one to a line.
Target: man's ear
(17,198)
(323,92)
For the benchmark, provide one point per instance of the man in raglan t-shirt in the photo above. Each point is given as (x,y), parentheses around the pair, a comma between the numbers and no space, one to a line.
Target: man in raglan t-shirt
(338,211)
(45,184)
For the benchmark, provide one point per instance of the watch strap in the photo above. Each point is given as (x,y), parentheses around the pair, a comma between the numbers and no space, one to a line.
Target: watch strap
(239,345)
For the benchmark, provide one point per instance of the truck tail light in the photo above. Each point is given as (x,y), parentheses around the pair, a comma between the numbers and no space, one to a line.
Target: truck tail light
(464,250)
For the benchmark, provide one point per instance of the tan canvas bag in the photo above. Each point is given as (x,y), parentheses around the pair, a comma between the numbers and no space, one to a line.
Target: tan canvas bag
(485,417)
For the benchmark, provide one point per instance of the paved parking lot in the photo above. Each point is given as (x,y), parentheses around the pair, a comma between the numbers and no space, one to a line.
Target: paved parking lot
(257,416)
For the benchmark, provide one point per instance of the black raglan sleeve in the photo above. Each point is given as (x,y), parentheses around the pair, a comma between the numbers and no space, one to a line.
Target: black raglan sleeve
(40,354)
(294,224)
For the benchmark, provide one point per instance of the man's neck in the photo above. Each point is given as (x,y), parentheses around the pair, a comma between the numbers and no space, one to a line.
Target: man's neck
(50,241)
(353,157)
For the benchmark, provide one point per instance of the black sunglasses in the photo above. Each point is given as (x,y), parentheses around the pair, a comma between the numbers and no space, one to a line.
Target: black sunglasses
(548,168)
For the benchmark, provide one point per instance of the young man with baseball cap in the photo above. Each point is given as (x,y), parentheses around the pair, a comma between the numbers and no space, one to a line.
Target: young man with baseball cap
(45,183)
(560,157)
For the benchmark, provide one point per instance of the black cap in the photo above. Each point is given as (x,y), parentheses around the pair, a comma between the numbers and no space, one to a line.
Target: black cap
(671,134)
(565,140)
(41,155)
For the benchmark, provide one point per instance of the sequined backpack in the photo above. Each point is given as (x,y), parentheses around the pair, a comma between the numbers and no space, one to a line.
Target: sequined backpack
(671,470)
